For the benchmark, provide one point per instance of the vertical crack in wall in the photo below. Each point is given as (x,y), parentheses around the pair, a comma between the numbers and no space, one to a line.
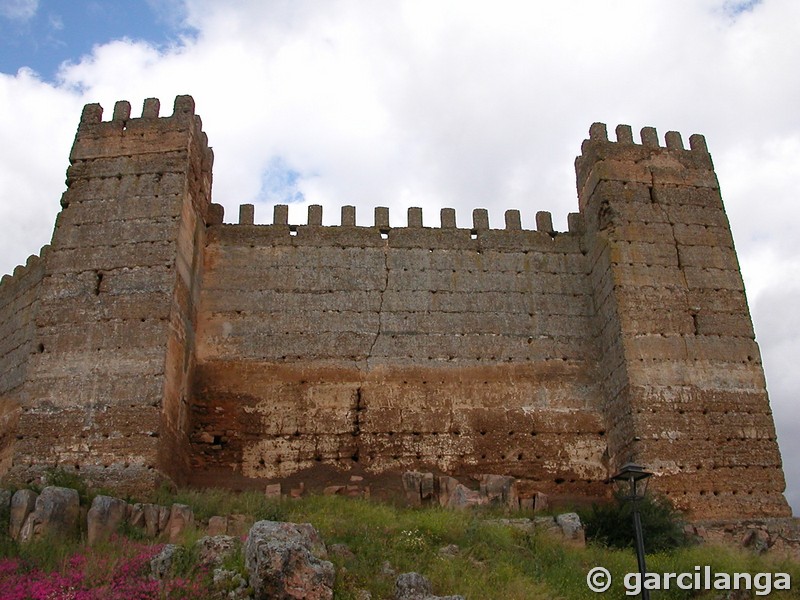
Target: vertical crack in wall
(380,303)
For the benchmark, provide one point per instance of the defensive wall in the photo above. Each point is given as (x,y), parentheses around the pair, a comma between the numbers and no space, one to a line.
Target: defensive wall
(152,340)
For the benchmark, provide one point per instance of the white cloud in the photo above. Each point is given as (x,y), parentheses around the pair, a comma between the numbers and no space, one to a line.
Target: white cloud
(448,104)
(170,12)
(18,10)
(778,323)
(33,162)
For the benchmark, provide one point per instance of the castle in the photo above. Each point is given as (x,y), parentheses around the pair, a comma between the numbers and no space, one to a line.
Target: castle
(150,340)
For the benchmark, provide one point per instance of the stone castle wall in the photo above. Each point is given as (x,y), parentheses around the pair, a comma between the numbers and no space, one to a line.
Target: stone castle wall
(339,347)
(168,344)
(19,299)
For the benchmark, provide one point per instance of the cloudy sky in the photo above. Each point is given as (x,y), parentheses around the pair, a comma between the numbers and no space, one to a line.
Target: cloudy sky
(433,104)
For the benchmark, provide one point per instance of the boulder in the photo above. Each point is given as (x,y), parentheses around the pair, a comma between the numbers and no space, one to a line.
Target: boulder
(757,540)
(462,497)
(217,526)
(548,524)
(214,549)
(413,586)
(353,491)
(149,517)
(162,514)
(181,518)
(536,502)
(57,513)
(412,486)
(571,527)
(105,516)
(499,489)
(161,563)
(446,487)
(284,561)
(341,551)
(298,491)
(427,488)
(232,582)
(135,515)
(387,570)
(23,503)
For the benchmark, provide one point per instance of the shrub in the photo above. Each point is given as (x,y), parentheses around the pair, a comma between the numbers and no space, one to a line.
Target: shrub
(612,524)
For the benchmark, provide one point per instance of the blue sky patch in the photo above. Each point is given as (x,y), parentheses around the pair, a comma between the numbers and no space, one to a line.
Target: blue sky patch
(737,7)
(41,35)
(279,183)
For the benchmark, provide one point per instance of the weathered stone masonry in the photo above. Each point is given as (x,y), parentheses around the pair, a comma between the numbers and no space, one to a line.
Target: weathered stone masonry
(152,340)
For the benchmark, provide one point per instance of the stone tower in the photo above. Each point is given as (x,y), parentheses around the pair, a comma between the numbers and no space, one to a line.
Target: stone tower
(109,325)
(152,340)
(684,389)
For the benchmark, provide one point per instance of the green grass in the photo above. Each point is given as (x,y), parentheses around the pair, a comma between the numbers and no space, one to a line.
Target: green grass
(215,502)
(494,561)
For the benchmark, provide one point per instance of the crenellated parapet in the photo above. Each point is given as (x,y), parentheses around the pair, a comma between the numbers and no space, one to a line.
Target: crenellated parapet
(648,162)
(132,135)
(146,147)
(447,219)
(512,237)
(20,271)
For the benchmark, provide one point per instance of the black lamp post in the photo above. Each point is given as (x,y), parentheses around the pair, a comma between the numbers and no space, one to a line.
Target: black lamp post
(636,476)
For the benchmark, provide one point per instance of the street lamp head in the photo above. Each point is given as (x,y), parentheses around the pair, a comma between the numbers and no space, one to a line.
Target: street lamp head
(636,476)
(631,470)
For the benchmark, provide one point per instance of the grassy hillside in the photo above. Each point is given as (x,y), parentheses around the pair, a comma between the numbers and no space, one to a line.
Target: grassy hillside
(492,561)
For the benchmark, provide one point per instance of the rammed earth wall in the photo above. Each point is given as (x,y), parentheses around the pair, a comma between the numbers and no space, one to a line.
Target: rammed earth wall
(157,341)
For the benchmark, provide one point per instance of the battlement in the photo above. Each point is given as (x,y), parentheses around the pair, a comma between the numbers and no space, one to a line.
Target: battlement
(136,138)
(414,220)
(598,132)
(153,340)
(647,163)
(92,115)
(33,261)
